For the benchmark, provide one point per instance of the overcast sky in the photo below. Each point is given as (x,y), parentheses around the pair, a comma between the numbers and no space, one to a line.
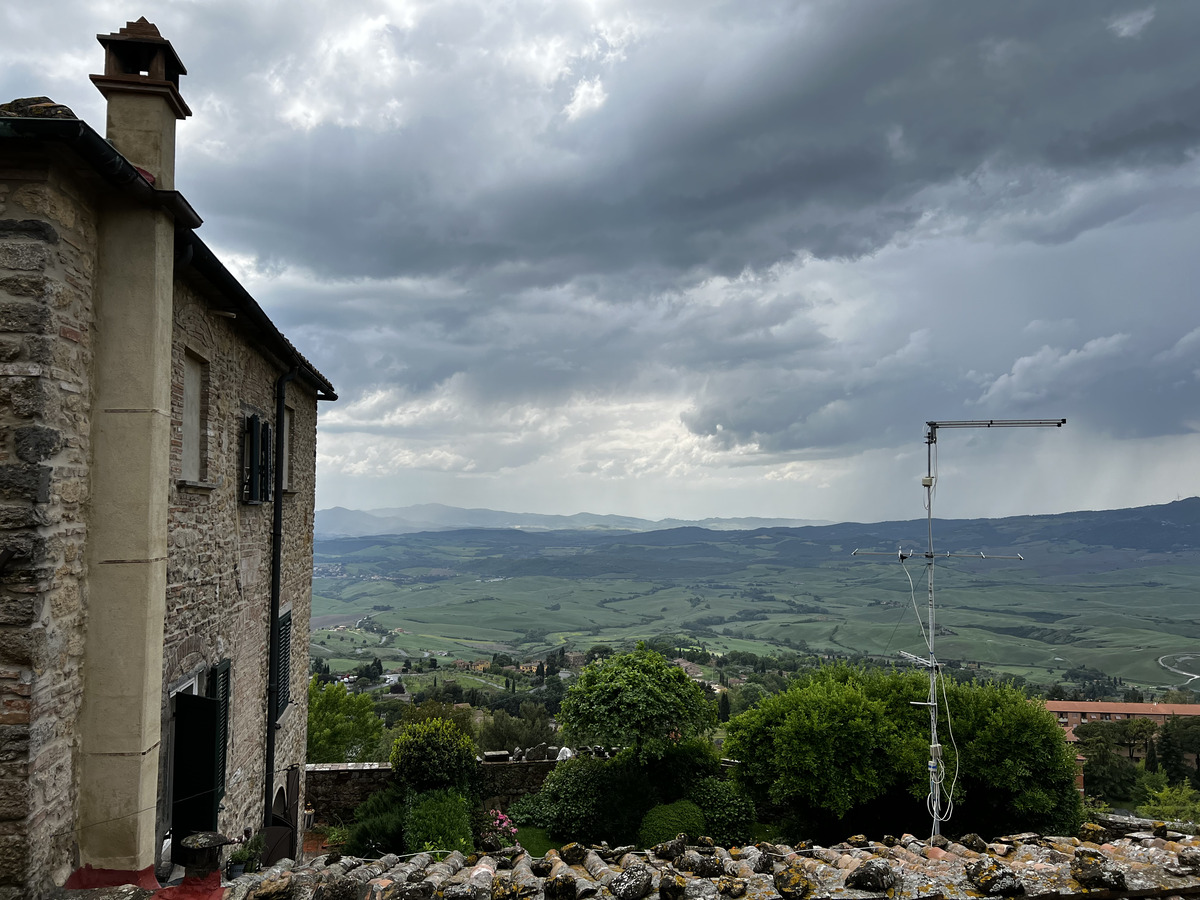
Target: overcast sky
(691,258)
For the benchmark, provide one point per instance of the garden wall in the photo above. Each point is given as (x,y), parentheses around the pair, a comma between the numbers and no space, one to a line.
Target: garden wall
(335,789)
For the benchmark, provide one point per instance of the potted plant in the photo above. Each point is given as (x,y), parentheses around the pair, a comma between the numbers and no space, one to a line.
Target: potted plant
(247,856)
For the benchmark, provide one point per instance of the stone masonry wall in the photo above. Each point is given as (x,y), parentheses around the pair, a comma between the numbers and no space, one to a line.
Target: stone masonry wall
(47,262)
(219,563)
(334,789)
(504,782)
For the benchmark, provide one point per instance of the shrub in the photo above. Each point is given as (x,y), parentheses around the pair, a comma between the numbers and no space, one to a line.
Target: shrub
(669,819)
(433,754)
(1174,804)
(728,812)
(438,820)
(589,800)
(378,826)
(840,745)
(531,810)
(681,766)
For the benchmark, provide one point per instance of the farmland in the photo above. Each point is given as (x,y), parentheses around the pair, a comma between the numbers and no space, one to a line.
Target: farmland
(1111,590)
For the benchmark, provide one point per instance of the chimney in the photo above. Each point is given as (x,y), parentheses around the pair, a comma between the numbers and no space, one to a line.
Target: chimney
(141,84)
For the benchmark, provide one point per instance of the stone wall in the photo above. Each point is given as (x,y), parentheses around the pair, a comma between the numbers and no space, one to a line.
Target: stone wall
(47,266)
(220,549)
(219,554)
(504,782)
(335,789)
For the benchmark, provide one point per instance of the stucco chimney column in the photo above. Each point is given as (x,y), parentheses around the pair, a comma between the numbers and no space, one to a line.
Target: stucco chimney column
(120,724)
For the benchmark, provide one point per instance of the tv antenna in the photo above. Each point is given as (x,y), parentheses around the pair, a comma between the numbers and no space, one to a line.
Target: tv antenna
(937,774)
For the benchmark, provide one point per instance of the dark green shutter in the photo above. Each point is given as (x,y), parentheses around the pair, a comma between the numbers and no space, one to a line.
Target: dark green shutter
(218,689)
(284,662)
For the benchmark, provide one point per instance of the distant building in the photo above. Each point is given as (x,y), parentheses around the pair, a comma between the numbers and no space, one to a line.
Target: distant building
(157,473)
(692,670)
(1071,713)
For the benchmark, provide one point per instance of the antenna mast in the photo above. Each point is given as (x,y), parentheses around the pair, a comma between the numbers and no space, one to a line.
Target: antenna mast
(936,774)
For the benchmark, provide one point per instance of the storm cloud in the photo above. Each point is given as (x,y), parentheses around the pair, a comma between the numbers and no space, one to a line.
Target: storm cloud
(702,258)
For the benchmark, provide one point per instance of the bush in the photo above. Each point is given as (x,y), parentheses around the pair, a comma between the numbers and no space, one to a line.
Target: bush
(681,766)
(434,754)
(842,746)
(729,813)
(530,809)
(589,800)
(669,819)
(378,826)
(438,820)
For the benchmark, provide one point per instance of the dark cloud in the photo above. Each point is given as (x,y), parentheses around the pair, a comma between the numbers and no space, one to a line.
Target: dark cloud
(682,241)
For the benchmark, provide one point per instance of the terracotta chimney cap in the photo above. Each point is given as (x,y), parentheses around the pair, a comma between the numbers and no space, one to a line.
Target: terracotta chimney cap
(138,59)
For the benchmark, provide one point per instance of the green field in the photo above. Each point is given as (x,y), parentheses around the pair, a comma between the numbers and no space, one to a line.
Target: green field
(1109,590)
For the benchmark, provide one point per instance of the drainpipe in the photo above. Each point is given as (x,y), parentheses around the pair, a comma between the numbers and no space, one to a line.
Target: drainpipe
(276,580)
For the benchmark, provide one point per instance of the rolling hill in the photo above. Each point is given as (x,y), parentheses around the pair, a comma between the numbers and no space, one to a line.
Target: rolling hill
(1115,590)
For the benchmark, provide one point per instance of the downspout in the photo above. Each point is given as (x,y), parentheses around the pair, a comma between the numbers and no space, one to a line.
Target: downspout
(276,583)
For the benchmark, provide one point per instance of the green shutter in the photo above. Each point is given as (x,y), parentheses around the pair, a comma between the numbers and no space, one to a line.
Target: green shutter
(284,661)
(218,689)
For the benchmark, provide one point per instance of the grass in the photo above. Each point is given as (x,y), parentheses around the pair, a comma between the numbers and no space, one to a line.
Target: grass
(535,840)
(1067,605)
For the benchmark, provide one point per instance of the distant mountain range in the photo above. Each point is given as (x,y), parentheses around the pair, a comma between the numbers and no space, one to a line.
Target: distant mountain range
(342,522)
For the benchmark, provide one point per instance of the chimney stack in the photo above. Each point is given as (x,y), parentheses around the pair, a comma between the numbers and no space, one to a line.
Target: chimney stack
(141,84)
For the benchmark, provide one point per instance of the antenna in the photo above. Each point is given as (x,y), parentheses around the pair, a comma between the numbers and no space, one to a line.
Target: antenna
(936,772)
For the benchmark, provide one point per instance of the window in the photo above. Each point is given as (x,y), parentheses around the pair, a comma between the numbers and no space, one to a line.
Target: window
(218,688)
(257,453)
(283,662)
(195,383)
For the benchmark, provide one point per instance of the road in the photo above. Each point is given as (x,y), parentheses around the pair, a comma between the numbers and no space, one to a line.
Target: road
(1179,658)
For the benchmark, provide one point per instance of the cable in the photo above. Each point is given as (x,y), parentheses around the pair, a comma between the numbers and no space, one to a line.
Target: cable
(912,592)
(138,812)
(953,743)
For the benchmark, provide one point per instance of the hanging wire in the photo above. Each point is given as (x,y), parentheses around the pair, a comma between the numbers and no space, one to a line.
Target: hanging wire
(953,743)
(138,812)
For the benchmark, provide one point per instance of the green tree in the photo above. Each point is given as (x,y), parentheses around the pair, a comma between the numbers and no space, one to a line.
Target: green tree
(1173,804)
(723,707)
(598,651)
(1171,751)
(342,727)
(825,744)
(1106,773)
(433,754)
(636,699)
(842,741)
(507,732)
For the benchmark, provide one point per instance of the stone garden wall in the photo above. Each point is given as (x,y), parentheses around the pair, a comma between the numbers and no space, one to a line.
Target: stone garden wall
(334,790)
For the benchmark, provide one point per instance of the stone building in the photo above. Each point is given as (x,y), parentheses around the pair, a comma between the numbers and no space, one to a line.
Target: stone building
(157,467)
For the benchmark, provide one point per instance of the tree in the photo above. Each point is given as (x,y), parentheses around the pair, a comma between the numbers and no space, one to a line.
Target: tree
(1106,774)
(507,732)
(723,707)
(636,699)
(1171,751)
(843,744)
(1173,804)
(598,651)
(342,727)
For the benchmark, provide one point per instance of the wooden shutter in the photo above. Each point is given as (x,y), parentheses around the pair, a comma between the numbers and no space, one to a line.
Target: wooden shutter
(218,687)
(284,662)
(252,461)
